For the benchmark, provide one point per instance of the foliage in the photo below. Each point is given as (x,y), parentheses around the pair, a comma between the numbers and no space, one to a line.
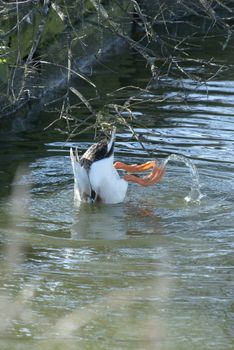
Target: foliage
(164,32)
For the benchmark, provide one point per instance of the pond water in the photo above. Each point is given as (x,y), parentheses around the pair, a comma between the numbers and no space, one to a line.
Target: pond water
(154,272)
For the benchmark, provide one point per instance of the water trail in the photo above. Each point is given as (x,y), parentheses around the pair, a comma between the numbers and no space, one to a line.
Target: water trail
(195,194)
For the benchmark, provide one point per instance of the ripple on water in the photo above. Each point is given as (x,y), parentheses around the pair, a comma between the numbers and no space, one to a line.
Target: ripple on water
(153,265)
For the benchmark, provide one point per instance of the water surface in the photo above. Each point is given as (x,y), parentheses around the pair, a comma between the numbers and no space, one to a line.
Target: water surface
(153,272)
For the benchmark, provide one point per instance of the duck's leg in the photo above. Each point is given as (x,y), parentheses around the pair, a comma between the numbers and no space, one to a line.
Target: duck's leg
(155,176)
(135,168)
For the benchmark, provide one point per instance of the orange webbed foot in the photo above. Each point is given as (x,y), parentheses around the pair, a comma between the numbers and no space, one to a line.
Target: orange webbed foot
(135,168)
(156,174)
(154,177)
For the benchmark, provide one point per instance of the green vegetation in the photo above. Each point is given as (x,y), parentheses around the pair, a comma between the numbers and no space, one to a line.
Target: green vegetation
(43,45)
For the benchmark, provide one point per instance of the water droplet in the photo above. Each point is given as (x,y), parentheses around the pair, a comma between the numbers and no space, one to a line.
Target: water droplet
(195,194)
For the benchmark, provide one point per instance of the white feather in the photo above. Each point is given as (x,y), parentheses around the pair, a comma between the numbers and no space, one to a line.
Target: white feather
(106,182)
(82,188)
(110,143)
(102,178)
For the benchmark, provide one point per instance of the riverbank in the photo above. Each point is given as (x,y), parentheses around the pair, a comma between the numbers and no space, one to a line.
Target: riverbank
(43,46)
(50,45)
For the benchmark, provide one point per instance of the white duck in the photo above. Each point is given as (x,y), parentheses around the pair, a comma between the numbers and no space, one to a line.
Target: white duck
(96,178)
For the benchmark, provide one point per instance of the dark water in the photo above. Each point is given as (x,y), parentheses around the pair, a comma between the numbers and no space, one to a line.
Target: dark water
(152,273)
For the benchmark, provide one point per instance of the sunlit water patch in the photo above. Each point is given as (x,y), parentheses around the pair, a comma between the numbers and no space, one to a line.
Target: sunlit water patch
(153,272)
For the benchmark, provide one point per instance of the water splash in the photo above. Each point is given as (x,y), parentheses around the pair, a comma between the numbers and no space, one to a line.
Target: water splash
(195,194)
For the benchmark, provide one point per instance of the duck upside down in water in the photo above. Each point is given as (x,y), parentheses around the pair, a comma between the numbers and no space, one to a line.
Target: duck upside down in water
(96,178)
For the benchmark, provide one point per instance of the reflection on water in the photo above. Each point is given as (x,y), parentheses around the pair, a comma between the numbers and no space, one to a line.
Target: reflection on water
(100,222)
(114,221)
(151,273)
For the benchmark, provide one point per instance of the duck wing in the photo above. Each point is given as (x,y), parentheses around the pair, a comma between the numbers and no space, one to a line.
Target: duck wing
(96,152)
